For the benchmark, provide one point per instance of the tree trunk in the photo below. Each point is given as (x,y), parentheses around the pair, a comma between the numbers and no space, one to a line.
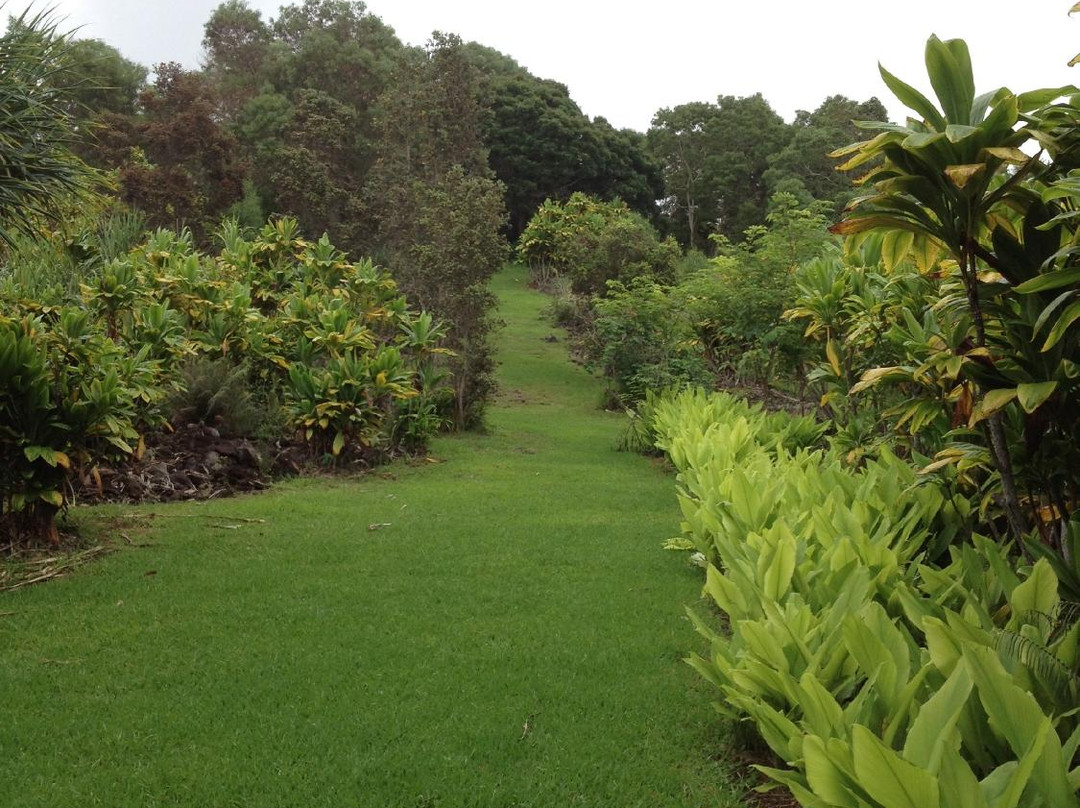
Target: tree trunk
(999,446)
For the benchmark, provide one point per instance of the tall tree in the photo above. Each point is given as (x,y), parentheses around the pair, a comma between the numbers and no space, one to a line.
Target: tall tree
(176,162)
(438,207)
(336,46)
(804,167)
(714,158)
(317,170)
(542,146)
(236,45)
(679,141)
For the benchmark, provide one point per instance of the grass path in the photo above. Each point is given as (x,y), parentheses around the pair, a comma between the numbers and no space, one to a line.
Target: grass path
(309,661)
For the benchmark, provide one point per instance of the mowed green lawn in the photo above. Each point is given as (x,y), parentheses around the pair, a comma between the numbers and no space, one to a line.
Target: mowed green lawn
(511,635)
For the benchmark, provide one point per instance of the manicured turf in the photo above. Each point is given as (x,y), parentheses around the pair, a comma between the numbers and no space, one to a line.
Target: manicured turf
(309,661)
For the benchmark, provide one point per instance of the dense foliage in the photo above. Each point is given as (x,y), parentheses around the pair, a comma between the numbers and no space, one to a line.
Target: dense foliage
(590,242)
(899,589)
(722,162)
(880,678)
(648,320)
(39,169)
(328,347)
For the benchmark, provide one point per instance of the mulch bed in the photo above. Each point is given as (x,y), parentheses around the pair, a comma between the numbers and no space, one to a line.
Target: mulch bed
(194,461)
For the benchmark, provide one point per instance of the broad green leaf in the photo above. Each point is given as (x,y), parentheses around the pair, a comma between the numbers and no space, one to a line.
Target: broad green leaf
(825,777)
(912,99)
(958,782)
(339,443)
(993,401)
(1015,713)
(796,784)
(1038,594)
(1051,280)
(944,650)
(920,140)
(1067,318)
(887,777)
(958,132)
(51,456)
(933,729)
(1048,312)
(1032,395)
(1019,776)
(949,67)
(1033,99)
(725,592)
(821,712)
(777,576)
(895,248)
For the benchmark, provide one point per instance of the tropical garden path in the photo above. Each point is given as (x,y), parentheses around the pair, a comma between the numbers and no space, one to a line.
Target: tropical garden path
(498,628)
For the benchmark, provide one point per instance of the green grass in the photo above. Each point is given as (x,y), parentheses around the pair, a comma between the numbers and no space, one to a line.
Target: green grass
(309,661)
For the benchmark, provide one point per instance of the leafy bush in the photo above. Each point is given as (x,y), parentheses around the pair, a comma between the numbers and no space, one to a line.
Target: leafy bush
(955,180)
(69,398)
(592,242)
(167,332)
(642,344)
(215,392)
(879,679)
(722,323)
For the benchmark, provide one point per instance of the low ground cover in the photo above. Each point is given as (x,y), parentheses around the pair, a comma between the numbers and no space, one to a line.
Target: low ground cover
(494,629)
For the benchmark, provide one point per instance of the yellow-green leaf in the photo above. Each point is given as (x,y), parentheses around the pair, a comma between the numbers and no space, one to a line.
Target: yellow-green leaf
(1067,318)
(339,443)
(53,498)
(1038,594)
(825,777)
(1032,395)
(875,375)
(933,728)
(993,401)
(1008,154)
(895,248)
(834,358)
(887,777)
(961,175)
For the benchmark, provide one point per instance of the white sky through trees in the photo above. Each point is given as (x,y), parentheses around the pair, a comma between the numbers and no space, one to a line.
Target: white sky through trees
(625,59)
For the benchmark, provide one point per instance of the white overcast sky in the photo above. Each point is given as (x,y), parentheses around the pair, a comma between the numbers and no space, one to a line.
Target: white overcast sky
(625,59)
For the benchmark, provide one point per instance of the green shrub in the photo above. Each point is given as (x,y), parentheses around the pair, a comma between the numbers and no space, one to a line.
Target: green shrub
(167,332)
(69,398)
(879,679)
(216,392)
(642,344)
(591,242)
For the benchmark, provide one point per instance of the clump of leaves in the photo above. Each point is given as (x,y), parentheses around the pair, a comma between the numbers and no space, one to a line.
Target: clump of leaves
(216,392)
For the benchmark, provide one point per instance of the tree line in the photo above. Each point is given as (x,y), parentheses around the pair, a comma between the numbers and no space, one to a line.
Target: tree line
(292,114)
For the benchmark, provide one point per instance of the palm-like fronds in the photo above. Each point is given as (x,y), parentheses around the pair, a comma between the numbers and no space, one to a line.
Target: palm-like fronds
(37,167)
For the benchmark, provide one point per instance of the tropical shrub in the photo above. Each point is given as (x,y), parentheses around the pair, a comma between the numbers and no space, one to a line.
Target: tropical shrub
(592,242)
(721,324)
(70,397)
(642,343)
(954,180)
(878,678)
(166,332)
